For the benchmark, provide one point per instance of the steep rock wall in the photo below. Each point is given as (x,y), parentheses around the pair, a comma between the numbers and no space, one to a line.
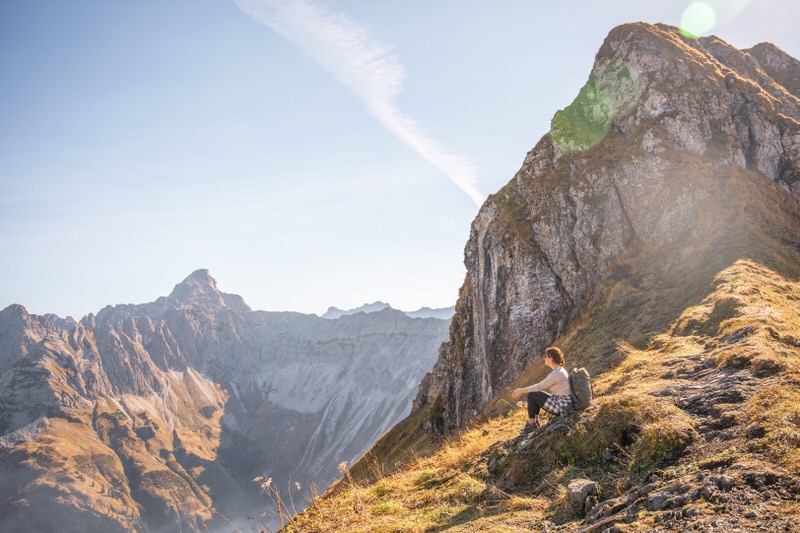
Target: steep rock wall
(674,146)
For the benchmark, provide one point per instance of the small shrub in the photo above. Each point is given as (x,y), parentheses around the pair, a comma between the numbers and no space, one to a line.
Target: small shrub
(387,508)
(520,503)
(208,411)
(724,309)
(777,411)
(663,439)
(382,490)
(634,429)
(724,458)
(468,489)
(430,478)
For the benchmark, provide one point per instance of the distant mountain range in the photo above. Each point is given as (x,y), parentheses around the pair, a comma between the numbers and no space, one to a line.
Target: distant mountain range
(445,313)
(158,416)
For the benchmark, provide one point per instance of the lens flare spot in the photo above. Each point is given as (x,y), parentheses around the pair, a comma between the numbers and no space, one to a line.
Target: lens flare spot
(698,19)
(613,90)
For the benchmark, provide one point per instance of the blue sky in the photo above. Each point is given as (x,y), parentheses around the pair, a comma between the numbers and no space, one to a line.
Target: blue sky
(308,154)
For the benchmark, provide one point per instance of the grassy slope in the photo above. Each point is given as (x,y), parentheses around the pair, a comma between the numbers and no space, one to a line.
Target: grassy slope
(739,346)
(633,322)
(743,218)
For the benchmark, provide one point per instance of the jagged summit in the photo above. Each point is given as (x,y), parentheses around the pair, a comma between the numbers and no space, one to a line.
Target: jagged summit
(201,276)
(200,289)
(199,285)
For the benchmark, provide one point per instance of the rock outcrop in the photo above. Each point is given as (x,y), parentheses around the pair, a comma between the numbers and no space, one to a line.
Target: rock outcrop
(697,432)
(160,415)
(677,152)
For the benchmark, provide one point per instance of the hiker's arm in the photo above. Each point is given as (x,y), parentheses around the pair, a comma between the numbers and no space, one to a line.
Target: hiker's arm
(542,385)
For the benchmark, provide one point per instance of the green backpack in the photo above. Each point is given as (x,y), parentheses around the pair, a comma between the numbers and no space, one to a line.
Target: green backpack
(580,386)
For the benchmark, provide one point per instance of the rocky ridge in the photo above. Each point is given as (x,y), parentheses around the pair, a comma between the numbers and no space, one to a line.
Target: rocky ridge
(705,418)
(654,235)
(445,313)
(680,152)
(699,430)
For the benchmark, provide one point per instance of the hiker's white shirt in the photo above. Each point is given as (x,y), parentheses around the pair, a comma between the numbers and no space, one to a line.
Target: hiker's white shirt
(556,383)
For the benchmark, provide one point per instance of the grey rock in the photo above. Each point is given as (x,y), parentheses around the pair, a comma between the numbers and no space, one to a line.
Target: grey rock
(605,508)
(658,501)
(724,483)
(580,490)
(647,489)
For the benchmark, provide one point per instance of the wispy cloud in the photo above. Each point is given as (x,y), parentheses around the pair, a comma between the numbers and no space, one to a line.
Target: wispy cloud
(365,66)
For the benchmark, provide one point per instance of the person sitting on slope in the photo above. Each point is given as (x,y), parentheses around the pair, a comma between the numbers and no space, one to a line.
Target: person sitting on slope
(551,394)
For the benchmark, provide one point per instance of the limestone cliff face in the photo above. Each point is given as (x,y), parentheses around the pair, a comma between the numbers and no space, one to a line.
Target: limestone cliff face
(159,415)
(674,148)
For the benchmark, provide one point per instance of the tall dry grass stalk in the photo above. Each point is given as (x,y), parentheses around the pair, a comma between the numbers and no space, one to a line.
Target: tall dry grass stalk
(358,502)
(284,511)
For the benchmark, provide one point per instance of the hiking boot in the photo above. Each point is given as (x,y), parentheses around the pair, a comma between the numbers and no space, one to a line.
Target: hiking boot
(530,426)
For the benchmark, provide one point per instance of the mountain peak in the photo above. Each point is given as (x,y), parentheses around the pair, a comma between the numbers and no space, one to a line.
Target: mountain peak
(198,286)
(334,312)
(201,276)
(200,289)
(779,65)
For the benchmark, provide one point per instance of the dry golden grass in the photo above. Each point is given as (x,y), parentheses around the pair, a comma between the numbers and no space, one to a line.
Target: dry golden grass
(667,314)
(79,469)
(438,491)
(749,323)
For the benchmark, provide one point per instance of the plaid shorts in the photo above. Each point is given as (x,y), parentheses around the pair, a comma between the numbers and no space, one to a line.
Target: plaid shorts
(557,405)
